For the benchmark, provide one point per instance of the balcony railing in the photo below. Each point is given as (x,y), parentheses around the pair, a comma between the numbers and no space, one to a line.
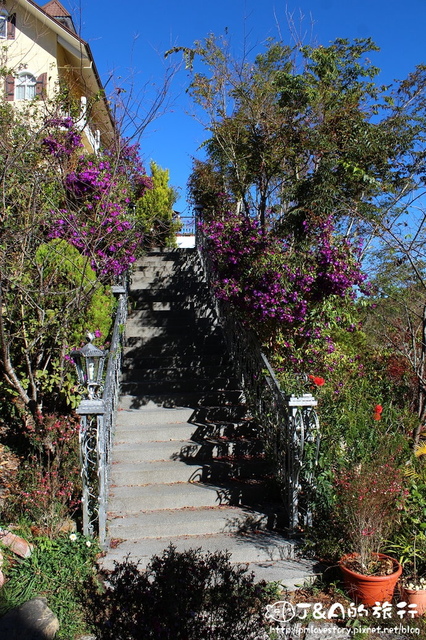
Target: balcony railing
(188,226)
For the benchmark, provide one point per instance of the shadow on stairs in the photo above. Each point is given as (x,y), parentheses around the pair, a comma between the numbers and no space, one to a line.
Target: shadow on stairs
(187,465)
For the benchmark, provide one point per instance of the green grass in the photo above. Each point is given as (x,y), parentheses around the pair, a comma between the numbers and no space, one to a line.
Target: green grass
(57,570)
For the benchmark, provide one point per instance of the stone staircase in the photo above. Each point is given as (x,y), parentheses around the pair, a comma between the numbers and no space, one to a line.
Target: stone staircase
(187,466)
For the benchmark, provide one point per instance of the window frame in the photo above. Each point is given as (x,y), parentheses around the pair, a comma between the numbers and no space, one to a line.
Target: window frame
(4,19)
(25,85)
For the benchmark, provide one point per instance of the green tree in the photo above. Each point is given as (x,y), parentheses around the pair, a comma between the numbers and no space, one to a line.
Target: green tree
(302,137)
(154,212)
(292,142)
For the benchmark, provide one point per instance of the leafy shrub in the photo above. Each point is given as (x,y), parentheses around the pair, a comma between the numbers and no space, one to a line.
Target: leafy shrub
(154,214)
(66,270)
(181,596)
(49,476)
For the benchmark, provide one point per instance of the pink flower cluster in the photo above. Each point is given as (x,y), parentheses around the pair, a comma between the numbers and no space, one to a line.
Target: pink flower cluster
(64,140)
(277,287)
(95,217)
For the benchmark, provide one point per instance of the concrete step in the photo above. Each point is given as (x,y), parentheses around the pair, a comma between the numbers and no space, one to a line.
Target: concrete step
(205,405)
(194,295)
(159,341)
(150,414)
(185,450)
(205,414)
(197,392)
(269,558)
(209,390)
(131,473)
(138,359)
(172,306)
(138,427)
(151,472)
(191,372)
(154,497)
(170,279)
(159,256)
(126,500)
(156,267)
(163,318)
(194,522)
(134,329)
(153,450)
(138,434)
(173,321)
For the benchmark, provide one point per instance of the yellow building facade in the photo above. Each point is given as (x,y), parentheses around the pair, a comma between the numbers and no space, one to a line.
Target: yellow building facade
(41,51)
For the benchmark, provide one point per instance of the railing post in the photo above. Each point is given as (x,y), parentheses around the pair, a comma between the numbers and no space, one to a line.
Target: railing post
(103,463)
(198,209)
(91,412)
(303,428)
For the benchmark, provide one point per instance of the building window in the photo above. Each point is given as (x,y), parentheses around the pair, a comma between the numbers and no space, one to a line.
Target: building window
(3,23)
(25,86)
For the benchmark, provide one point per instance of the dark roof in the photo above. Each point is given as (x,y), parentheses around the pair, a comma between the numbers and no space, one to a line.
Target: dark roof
(57,11)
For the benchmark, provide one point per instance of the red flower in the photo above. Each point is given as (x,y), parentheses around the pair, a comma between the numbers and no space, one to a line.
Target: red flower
(377,415)
(317,380)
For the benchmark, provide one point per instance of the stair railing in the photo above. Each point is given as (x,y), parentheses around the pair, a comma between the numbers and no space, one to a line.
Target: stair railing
(97,423)
(289,426)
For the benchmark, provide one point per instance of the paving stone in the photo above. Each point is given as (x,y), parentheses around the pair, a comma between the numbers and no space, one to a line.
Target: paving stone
(15,543)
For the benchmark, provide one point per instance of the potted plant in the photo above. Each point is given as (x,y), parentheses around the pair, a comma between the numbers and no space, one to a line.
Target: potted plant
(369,497)
(413,591)
(412,550)
(410,544)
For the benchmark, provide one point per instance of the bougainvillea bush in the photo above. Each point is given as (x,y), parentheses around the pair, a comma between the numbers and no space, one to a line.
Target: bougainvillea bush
(290,294)
(94,215)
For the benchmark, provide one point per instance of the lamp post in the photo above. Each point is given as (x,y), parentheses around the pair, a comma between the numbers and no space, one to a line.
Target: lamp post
(89,362)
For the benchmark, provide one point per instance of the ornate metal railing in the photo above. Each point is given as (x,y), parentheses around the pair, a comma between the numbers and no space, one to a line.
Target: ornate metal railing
(97,421)
(188,226)
(288,424)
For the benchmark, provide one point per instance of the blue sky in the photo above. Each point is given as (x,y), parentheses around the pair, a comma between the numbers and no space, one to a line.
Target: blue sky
(128,40)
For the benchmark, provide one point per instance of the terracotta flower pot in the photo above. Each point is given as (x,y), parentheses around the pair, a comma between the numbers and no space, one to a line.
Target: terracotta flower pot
(369,589)
(417,597)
